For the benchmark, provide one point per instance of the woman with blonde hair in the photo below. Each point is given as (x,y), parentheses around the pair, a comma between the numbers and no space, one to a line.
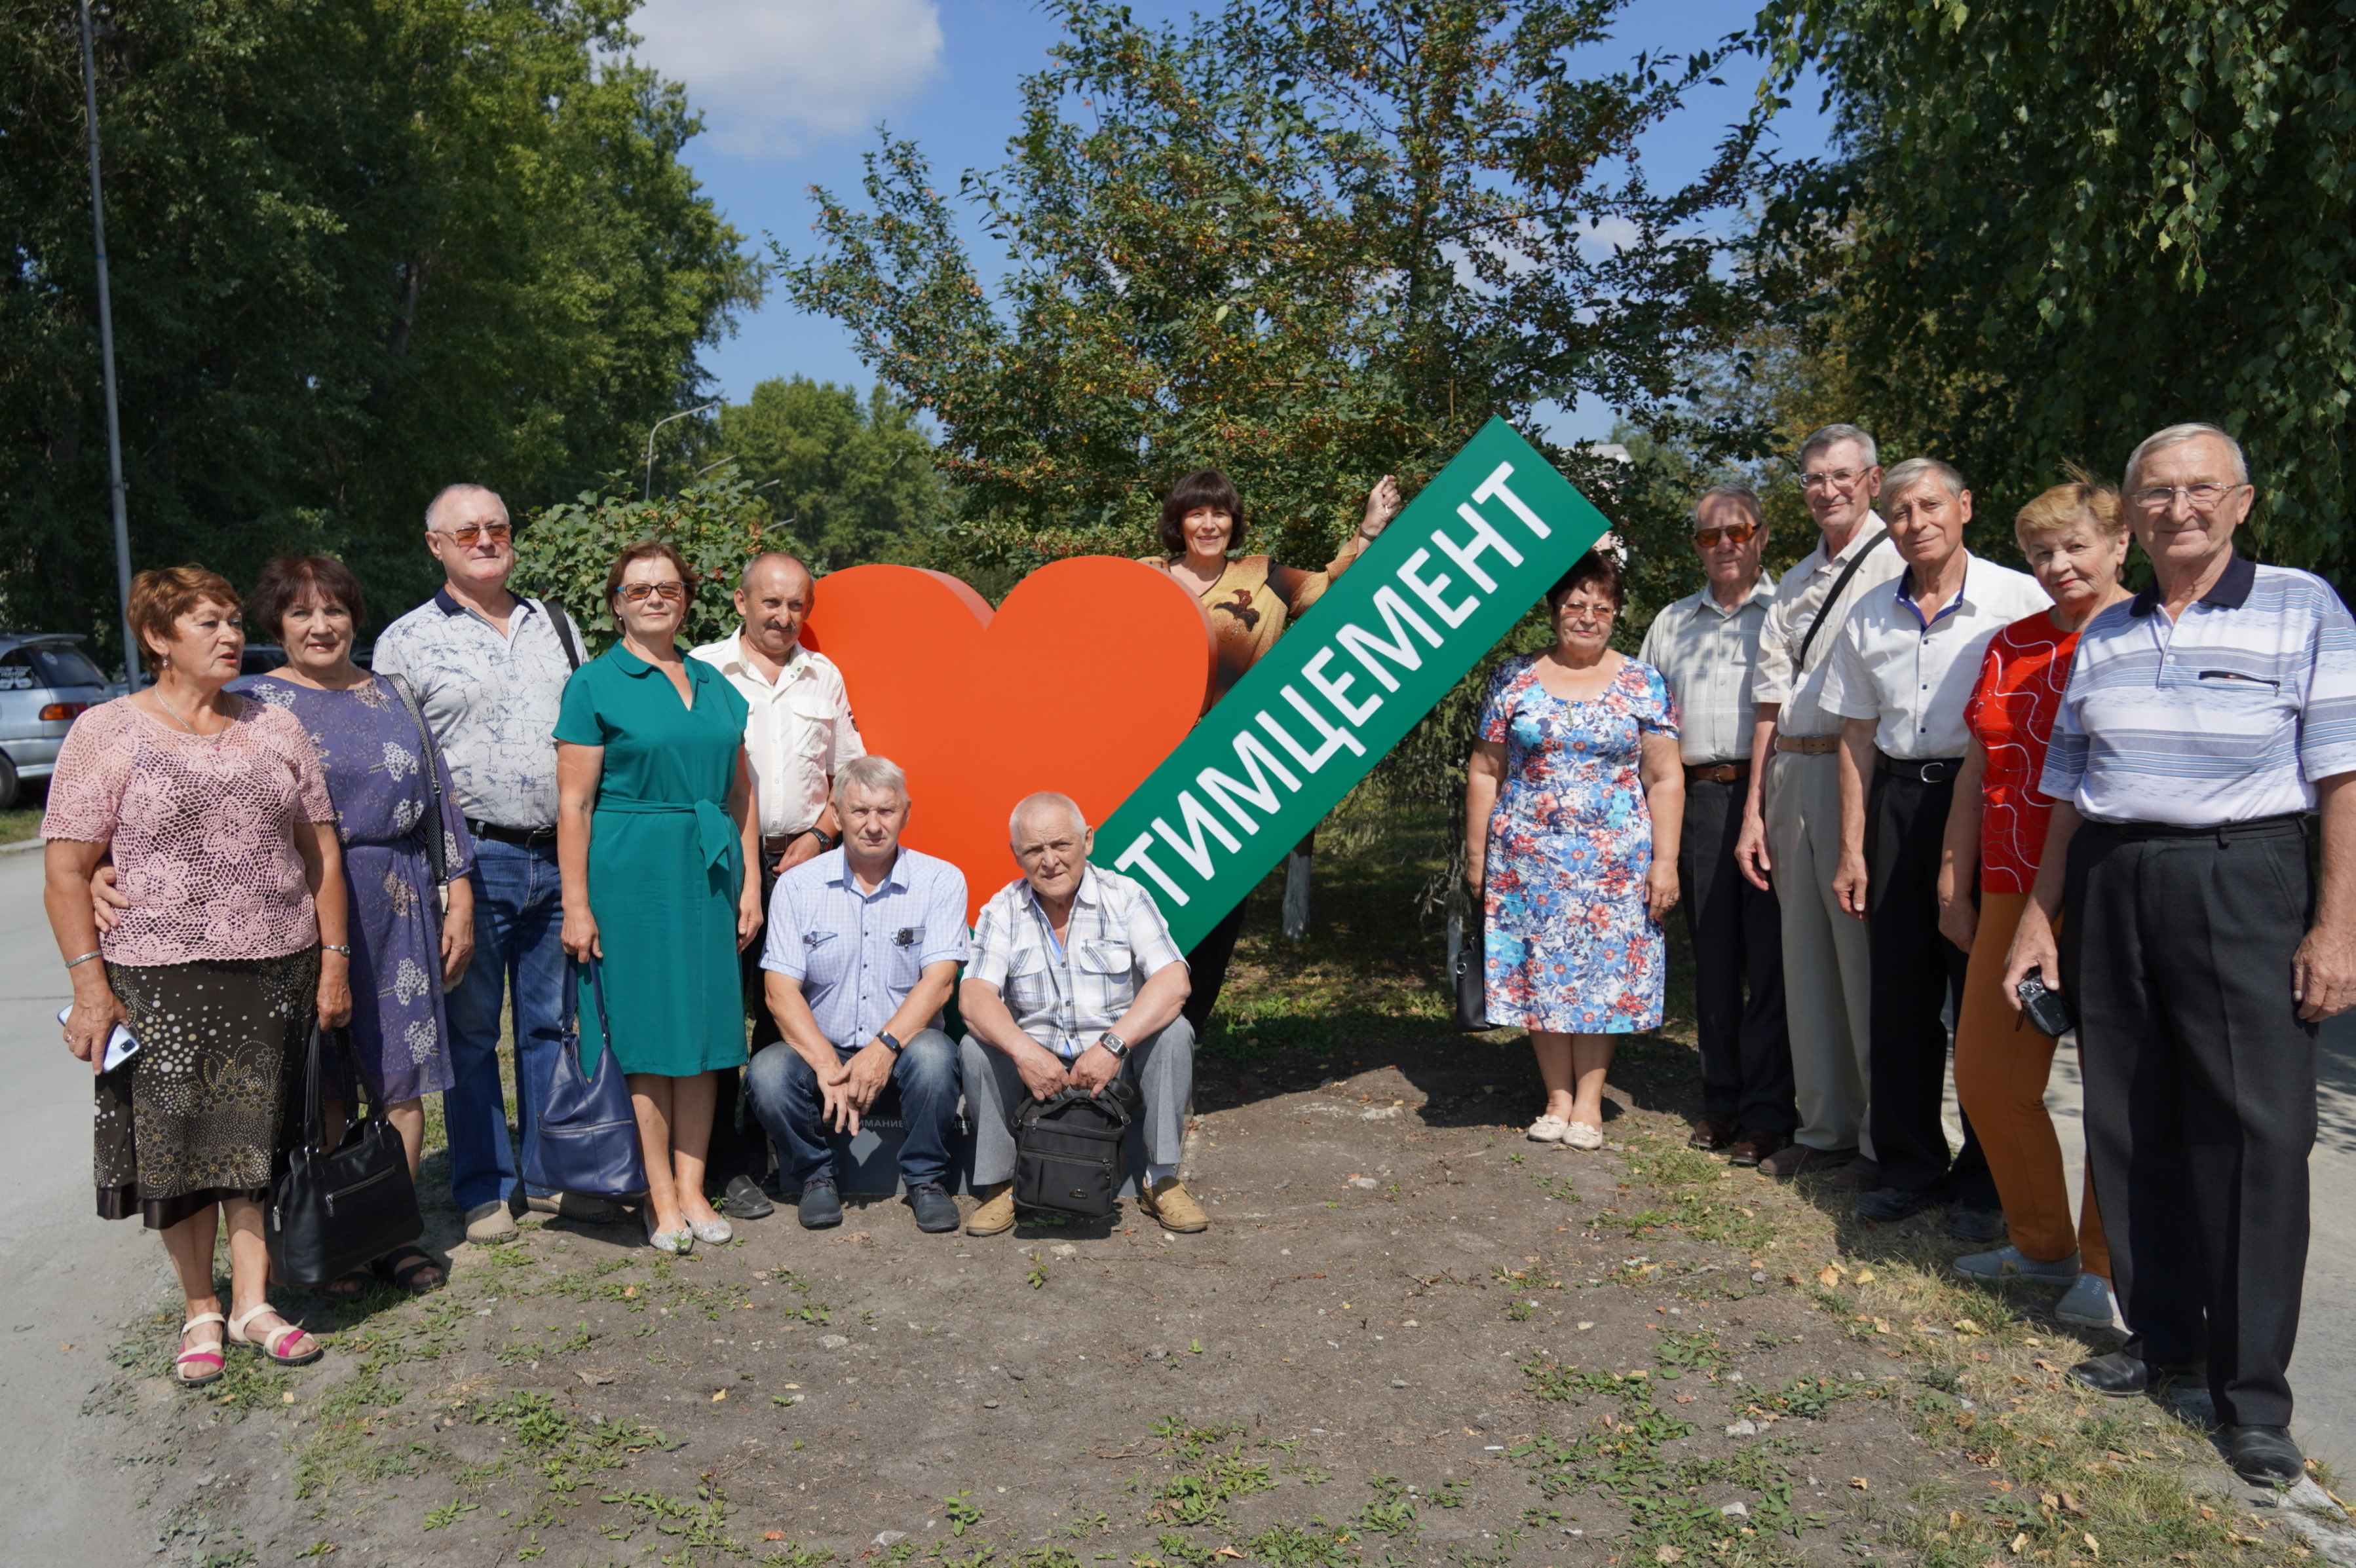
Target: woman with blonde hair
(2075,538)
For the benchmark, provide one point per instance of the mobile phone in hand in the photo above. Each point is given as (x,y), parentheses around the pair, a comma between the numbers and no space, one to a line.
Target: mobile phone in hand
(119,1045)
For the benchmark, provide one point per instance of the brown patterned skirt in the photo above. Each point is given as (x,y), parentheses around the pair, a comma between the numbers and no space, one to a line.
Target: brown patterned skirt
(196,1114)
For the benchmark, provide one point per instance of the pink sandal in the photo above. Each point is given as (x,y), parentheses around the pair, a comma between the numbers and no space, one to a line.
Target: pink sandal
(273,1341)
(213,1353)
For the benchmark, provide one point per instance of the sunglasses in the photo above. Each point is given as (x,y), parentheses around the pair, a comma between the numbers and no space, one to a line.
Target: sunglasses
(1732,533)
(475,533)
(639,592)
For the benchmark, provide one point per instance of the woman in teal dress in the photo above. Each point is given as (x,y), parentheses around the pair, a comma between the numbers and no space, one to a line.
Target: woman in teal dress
(654,829)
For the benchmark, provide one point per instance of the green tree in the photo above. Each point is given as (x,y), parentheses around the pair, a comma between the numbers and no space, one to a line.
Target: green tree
(2054,227)
(1306,241)
(359,248)
(566,550)
(858,483)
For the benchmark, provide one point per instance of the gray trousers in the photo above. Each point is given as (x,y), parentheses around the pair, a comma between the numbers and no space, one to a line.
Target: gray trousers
(1162,1066)
(1827,955)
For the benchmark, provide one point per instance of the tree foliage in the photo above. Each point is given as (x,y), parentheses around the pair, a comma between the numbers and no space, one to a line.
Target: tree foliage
(857,483)
(2054,227)
(359,248)
(1306,241)
(718,524)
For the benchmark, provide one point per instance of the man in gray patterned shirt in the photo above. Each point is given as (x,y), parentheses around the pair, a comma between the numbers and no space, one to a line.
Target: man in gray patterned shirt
(489,669)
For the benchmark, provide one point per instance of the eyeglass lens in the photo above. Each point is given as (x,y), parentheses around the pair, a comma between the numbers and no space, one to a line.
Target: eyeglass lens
(639,593)
(1843,477)
(2203,495)
(1738,533)
(474,533)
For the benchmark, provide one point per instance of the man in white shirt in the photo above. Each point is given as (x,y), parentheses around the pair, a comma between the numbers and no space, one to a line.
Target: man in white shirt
(1902,672)
(1705,646)
(1792,820)
(798,734)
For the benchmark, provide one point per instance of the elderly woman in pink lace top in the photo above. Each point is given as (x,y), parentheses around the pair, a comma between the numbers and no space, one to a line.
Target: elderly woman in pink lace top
(218,817)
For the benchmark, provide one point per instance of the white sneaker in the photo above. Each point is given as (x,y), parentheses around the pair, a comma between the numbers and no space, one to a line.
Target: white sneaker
(2092,1304)
(2009,1264)
(1547,1130)
(1582,1135)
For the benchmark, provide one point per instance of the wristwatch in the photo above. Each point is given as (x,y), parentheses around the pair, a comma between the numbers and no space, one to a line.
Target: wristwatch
(891,1041)
(824,843)
(1114,1044)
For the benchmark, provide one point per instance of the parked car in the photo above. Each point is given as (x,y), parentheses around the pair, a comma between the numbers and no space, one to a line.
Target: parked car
(46,680)
(260,658)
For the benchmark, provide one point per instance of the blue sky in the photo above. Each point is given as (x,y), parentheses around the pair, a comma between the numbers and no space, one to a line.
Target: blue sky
(792,91)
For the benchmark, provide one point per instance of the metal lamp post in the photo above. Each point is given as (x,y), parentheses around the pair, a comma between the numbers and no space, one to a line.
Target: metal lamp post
(115,487)
(683,413)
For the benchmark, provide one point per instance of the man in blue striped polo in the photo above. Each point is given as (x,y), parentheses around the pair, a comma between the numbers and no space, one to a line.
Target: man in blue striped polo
(863,948)
(2204,720)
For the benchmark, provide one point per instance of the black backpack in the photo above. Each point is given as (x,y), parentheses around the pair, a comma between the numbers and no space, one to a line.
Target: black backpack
(1070,1152)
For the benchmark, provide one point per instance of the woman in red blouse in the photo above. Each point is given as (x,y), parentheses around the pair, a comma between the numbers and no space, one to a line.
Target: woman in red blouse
(2076,542)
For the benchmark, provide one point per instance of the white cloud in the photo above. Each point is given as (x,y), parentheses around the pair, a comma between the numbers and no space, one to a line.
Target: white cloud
(771,76)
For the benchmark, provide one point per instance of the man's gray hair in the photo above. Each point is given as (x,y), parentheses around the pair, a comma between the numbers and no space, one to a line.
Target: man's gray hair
(871,773)
(1831,434)
(1741,496)
(1913,471)
(463,487)
(744,580)
(2177,435)
(1045,797)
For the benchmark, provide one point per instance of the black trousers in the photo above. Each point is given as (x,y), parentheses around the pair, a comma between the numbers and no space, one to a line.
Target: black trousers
(1737,941)
(2200,1090)
(739,1145)
(1206,965)
(1917,975)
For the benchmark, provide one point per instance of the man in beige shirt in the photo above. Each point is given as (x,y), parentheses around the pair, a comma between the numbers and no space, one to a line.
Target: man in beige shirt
(1792,822)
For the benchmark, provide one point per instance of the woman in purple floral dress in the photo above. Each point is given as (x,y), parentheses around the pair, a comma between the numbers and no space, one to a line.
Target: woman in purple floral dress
(1575,796)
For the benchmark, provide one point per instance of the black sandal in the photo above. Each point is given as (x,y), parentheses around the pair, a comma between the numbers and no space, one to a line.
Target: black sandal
(349,1286)
(401,1267)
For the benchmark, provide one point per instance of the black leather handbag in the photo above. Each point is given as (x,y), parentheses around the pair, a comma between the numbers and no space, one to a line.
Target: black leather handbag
(1072,1150)
(333,1209)
(1468,975)
(588,1139)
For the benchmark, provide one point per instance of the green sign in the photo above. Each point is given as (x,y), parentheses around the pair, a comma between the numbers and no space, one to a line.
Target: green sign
(1451,576)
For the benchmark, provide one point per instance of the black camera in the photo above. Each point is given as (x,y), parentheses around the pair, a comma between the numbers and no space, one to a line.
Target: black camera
(2048,1011)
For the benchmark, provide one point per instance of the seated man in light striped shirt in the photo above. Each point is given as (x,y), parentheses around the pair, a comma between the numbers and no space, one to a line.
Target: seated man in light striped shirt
(1075,978)
(863,948)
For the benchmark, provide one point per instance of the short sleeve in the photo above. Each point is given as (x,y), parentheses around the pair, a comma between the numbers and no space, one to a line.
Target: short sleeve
(849,747)
(1497,702)
(993,943)
(2066,752)
(1849,685)
(1657,713)
(387,658)
(1771,673)
(1149,933)
(577,720)
(1976,707)
(2326,717)
(945,934)
(784,951)
(310,778)
(457,839)
(92,768)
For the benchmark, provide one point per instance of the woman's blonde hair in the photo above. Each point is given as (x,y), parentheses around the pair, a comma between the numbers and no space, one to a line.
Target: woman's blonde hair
(2064,507)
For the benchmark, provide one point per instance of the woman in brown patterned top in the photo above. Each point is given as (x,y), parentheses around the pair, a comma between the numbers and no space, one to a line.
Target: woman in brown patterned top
(1249,600)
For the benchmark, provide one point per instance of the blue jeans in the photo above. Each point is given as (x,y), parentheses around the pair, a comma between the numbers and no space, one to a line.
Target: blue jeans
(786,1097)
(519,916)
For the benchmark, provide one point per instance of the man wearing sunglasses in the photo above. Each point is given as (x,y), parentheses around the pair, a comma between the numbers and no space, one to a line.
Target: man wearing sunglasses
(488,668)
(1706,644)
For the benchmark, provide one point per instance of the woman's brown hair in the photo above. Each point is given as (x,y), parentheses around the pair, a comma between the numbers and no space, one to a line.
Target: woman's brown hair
(1592,567)
(1204,487)
(159,598)
(646,549)
(283,582)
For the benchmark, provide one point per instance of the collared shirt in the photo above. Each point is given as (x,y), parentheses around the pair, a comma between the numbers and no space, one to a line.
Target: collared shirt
(1064,994)
(490,699)
(2228,713)
(858,954)
(1800,596)
(1707,651)
(800,733)
(1915,674)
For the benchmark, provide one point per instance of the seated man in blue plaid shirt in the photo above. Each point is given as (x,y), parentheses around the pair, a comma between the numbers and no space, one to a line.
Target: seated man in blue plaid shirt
(864,946)
(1074,978)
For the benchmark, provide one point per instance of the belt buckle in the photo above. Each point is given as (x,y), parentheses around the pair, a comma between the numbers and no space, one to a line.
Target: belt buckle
(1932,773)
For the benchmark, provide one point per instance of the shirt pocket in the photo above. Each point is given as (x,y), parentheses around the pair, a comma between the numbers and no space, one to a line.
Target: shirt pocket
(825,959)
(905,948)
(813,726)
(1100,958)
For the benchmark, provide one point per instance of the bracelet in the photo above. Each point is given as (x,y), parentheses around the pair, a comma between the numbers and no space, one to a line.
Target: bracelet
(76,963)
(332,947)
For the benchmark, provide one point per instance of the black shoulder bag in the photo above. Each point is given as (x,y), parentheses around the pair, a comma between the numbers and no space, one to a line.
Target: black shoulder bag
(1071,1151)
(1800,665)
(332,1211)
(561,623)
(436,854)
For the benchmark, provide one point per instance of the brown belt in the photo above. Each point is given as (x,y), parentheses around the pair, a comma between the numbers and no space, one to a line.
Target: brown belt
(1717,772)
(780,845)
(1808,745)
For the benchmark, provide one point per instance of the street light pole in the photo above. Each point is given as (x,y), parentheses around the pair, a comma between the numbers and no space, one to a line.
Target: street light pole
(683,413)
(115,487)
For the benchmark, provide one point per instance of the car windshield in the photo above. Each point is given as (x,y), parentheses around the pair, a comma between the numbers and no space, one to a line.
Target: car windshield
(59,665)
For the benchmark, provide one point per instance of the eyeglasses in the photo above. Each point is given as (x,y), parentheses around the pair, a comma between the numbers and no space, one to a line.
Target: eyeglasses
(1587,614)
(1839,479)
(2204,496)
(475,533)
(1732,533)
(639,592)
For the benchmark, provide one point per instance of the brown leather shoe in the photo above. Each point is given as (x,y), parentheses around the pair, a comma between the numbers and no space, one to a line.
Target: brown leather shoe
(1858,1175)
(995,1214)
(1799,1159)
(1710,1133)
(1169,1205)
(1752,1148)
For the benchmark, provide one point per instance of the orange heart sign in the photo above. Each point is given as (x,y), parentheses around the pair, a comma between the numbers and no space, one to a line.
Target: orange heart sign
(1083,682)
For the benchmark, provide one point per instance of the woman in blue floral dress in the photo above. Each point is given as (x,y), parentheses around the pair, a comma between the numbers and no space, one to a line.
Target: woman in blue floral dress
(1575,798)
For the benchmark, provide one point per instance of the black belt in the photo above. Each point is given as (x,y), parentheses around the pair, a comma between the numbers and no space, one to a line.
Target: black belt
(2279,827)
(1935,769)
(528,837)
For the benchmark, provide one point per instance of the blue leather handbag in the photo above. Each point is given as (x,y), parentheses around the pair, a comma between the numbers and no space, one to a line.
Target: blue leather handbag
(588,1131)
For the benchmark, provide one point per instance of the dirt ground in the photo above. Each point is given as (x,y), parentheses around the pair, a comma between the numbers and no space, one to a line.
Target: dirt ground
(1409,1337)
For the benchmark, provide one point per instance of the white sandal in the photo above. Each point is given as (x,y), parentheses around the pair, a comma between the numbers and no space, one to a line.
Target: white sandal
(1546,1129)
(273,1341)
(1582,1135)
(213,1353)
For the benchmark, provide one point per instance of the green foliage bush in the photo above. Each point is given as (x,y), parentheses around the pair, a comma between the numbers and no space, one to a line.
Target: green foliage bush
(566,549)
